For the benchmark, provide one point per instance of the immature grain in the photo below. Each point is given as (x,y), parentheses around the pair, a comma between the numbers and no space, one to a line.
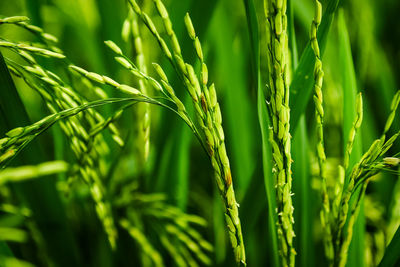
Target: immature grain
(211,122)
(23,173)
(21,21)
(82,146)
(59,96)
(189,243)
(143,242)
(102,79)
(208,113)
(23,135)
(279,136)
(165,88)
(88,161)
(356,125)
(340,245)
(319,116)
(29,48)
(13,19)
(393,108)
(64,97)
(169,220)
(186,255)
(172,250)
(95,117)
(142,110)
(367,167)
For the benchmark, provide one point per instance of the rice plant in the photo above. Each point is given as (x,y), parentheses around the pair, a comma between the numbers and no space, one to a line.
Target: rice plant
(199,133)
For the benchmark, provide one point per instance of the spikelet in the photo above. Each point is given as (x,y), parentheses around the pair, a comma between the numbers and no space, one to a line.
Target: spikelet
(279,137)
(208,113)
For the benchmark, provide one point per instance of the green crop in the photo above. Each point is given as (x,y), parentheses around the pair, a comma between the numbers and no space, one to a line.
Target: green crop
(199,133)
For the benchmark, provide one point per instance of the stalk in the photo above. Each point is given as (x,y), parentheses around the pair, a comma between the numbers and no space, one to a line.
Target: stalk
(279,111)
(207,109)
(361,172)
(210,119)
(86,148)
(143,109)
(325,215)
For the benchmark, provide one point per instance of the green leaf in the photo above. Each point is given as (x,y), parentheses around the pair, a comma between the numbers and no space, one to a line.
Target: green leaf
(292,37)
(5,250)
(391,257)
(349,86)
(173,176)
(303,196)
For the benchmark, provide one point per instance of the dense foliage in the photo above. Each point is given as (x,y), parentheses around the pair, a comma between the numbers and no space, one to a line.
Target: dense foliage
(191,133)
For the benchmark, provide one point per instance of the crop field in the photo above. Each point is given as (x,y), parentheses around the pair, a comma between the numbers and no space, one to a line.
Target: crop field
(199,133)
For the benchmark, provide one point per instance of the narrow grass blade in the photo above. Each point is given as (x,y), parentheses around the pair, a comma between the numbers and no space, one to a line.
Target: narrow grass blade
(5,250)
(33,7)
(255,215)
(349,86)
(292,37)
(302,196)
(173,175)
(391,257)
(268,178)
